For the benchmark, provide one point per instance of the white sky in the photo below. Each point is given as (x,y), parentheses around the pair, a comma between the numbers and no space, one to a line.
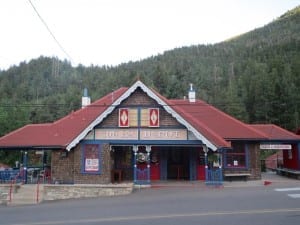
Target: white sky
(110,32)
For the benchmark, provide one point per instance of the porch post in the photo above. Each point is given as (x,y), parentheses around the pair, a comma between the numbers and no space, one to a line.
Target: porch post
(148,150)
(220,166)
(206,166)
(25,159)
(298,156)
(135,149)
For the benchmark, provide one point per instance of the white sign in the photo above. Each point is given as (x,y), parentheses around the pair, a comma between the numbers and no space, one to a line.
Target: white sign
(141,134)
(116,134)
(91,164)
(275,146)
(163,134)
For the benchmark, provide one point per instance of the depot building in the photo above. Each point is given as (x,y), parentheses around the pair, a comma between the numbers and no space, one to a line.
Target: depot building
(136,135)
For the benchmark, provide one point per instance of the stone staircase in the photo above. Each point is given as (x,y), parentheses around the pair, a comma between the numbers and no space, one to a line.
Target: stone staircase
(26,195)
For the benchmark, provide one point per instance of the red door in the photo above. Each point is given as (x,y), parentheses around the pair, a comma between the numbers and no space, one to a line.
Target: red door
(201,166)
(155,164)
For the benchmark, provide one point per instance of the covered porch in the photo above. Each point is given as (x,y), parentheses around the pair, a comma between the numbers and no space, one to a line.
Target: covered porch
(144,164)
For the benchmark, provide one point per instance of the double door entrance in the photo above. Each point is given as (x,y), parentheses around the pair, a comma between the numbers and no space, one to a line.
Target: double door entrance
(159,163)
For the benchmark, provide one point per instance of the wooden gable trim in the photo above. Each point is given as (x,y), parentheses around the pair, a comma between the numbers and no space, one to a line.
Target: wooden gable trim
(152,95)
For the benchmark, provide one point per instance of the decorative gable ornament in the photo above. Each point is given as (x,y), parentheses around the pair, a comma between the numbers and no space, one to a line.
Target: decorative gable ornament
(153,117)
(123,118)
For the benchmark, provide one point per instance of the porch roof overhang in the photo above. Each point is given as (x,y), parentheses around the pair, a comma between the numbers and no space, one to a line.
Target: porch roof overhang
(20,148)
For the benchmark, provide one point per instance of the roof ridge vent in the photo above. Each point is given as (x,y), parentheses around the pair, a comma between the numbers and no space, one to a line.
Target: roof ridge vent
(192,94)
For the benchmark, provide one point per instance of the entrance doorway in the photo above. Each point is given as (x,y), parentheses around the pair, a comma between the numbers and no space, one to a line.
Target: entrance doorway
(178,164)
(122,160)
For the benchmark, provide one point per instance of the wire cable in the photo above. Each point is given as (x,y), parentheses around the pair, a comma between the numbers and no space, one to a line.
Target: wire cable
(50,32)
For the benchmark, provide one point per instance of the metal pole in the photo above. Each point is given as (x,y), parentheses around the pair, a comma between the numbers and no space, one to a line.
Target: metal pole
(206,166)
(135,149)
(25,167)
(148,150)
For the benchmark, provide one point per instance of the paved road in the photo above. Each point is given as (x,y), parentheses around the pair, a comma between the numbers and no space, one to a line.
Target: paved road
(234,204)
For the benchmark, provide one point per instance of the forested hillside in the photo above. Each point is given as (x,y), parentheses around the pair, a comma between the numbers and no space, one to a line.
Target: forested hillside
(254,77)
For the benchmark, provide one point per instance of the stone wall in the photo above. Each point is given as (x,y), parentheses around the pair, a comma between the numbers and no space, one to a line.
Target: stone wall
(56,192)
(4,192)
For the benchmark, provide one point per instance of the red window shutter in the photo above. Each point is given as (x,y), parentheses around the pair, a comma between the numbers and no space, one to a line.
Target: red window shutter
(153,117)
(123,118)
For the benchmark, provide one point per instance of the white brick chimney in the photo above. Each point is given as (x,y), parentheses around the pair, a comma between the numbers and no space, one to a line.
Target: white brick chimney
(85,100)
(192,94)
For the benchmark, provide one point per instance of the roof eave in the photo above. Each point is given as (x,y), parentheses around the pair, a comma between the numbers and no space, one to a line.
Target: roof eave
(27,147)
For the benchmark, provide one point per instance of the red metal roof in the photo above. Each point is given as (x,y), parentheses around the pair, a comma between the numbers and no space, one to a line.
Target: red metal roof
(216,126)
(209,119)
(274,132)
(60,133)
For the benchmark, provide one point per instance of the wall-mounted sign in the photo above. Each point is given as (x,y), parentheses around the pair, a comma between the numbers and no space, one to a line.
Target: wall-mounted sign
(275,146)
(91,156)
(141,134)
(91,165)
(116,134)
(163,134)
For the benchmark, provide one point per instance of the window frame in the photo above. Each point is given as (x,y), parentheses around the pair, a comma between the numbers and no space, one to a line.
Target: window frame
(237,150)
(83,158)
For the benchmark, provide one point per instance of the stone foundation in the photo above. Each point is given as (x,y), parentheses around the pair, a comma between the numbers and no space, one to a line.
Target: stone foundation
(57,192)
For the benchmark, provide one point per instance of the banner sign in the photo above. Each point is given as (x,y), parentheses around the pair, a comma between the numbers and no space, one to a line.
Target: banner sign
(275,146)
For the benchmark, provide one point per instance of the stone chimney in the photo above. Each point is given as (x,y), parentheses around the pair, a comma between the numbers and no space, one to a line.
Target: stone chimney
(192,94)
(85,100)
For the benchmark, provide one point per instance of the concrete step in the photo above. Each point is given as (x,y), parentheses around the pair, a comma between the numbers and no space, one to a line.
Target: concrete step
(26,194)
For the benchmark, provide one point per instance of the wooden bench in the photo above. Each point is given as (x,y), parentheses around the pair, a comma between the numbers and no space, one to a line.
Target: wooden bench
(230,176)
(288,172)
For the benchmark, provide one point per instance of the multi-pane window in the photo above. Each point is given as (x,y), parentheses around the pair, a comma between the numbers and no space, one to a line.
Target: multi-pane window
(236,157)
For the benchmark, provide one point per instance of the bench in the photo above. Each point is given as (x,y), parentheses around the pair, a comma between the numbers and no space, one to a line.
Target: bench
(288,172)
(230,176)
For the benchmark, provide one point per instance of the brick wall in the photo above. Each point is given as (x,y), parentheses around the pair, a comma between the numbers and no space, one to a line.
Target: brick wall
(62,167)
(105,164)
(254,161)
(254,167)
